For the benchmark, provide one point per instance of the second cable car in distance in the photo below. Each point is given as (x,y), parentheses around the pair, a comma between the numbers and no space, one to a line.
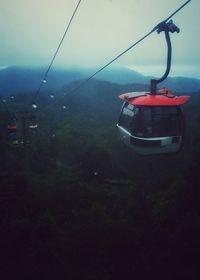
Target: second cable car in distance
(12,131)
(153,122)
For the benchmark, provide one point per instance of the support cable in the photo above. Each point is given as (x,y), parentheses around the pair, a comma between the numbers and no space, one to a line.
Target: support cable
(156,28)
(54,56)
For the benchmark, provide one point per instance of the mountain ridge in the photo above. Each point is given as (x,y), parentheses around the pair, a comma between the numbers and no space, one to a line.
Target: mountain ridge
(14,79)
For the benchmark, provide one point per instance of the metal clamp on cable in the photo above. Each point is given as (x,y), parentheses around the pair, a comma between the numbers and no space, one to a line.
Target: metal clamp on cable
(167,27)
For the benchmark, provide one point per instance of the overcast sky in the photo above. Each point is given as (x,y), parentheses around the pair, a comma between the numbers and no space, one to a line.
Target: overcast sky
(30,31)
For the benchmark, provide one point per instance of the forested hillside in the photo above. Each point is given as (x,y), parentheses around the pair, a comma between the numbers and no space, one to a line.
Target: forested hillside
(75,203)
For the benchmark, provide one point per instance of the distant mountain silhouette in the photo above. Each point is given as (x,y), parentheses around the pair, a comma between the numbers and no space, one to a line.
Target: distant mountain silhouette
(122,76)
(14,80)
(127,76)
(182,84)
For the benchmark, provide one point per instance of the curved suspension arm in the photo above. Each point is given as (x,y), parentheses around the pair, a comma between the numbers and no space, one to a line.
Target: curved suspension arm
(166,27)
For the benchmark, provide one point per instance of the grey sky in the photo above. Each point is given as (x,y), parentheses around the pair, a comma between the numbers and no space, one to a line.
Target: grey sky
(30,31)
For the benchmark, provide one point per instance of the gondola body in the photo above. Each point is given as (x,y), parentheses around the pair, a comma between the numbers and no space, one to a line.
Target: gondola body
(12,134)
(152,124)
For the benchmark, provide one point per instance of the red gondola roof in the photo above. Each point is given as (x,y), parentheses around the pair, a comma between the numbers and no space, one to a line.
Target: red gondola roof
(159,99)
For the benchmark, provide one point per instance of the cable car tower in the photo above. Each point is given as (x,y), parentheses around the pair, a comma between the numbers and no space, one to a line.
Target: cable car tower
(153,122)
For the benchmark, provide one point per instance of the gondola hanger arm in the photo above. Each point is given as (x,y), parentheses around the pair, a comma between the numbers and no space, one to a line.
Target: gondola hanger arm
(165,27)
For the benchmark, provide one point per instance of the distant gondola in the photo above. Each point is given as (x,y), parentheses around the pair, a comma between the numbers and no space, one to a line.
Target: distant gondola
(12,131)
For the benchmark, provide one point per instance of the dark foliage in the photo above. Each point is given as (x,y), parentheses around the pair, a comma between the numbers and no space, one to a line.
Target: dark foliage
(77,204)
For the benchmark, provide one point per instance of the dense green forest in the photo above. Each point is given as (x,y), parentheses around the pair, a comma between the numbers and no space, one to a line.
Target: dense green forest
(75,203)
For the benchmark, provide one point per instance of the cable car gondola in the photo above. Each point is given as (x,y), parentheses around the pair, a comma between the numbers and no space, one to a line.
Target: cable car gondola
(12,131)
(153,122)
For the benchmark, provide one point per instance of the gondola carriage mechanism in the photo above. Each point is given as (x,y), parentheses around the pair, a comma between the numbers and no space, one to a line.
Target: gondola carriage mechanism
(153,122)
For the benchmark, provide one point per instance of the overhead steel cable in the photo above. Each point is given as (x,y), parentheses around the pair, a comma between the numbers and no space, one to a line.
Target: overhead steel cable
(180,8)
(43,81)
(133,45)
(129,48)
(114,59)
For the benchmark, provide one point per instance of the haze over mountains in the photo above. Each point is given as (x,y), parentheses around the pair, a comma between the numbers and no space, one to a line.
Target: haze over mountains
(15,80)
